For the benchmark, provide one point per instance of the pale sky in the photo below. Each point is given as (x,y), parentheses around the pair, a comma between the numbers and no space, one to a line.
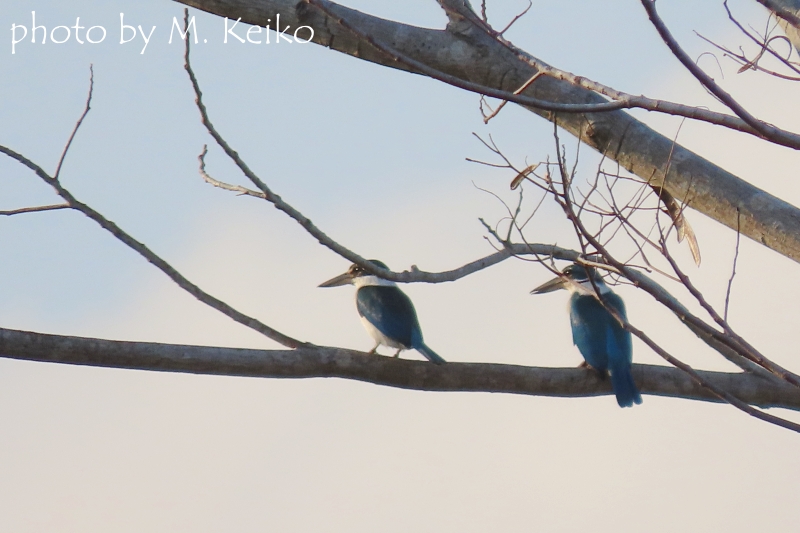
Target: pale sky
(376,158)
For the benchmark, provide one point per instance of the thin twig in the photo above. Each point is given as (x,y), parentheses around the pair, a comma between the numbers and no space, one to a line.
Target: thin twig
(734,340)
(36,209)
(764,45)
(145,252)
(399,57)
(733,270)
(221,184)
(765,130)
(753,63)
(628,101)
(705,383)
(524,86)
(565,201)
(77,124)
(744,355)
(269,195)
(515,19)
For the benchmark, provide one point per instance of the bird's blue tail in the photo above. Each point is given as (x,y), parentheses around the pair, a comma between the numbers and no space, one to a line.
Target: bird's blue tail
(429,354)
(624,388)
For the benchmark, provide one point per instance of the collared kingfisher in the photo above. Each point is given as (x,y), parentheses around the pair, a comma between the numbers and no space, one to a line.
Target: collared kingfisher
(602,341)
(386,312)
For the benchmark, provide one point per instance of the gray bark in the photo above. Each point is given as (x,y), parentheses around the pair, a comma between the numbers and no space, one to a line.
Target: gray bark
(315,361)
(472,55)
(788,14)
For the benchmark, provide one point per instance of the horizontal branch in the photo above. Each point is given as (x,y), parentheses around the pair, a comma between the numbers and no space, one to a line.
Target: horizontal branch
(316,362)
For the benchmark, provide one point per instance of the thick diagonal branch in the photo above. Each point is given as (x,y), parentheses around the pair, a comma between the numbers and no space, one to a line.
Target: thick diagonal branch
(475,56)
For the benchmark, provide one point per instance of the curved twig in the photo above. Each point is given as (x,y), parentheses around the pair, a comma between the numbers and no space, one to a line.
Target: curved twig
(767,131)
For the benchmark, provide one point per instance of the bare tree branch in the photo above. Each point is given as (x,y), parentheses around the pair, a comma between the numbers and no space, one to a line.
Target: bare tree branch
(727,342)
(619,100)
(765,44)
(267,193)
(36,209)
(413,64)
(152,258)
(314,362)
(742,390)
(514,20)
(720,392)
(564,198)
(786,9)
(140,248)
(474,55)
(730,280)
(244,191)
(77,126)
(766,130)
(734,348)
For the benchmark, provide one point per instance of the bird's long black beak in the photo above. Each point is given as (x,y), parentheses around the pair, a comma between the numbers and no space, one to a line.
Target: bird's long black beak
(338,281)
(550,286)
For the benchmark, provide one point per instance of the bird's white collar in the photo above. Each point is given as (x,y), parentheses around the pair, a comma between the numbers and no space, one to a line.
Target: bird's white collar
(372,281)
(585,288)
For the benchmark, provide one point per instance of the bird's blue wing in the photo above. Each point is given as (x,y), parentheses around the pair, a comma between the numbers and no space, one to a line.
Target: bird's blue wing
(619,346)
(604,343)
(391,312)
(590,329)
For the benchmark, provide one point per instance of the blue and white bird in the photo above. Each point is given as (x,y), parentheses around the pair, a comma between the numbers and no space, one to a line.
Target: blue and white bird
(602,341)
(386,312)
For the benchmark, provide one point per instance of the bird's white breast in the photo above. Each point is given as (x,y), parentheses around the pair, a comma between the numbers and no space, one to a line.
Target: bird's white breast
(380,337)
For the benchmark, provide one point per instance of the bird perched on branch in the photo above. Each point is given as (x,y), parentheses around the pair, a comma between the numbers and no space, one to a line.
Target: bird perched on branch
(601,339)
(386,312)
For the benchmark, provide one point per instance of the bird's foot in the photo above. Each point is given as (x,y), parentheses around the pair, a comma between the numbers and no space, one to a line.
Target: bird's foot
(397,355)
(600,373)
